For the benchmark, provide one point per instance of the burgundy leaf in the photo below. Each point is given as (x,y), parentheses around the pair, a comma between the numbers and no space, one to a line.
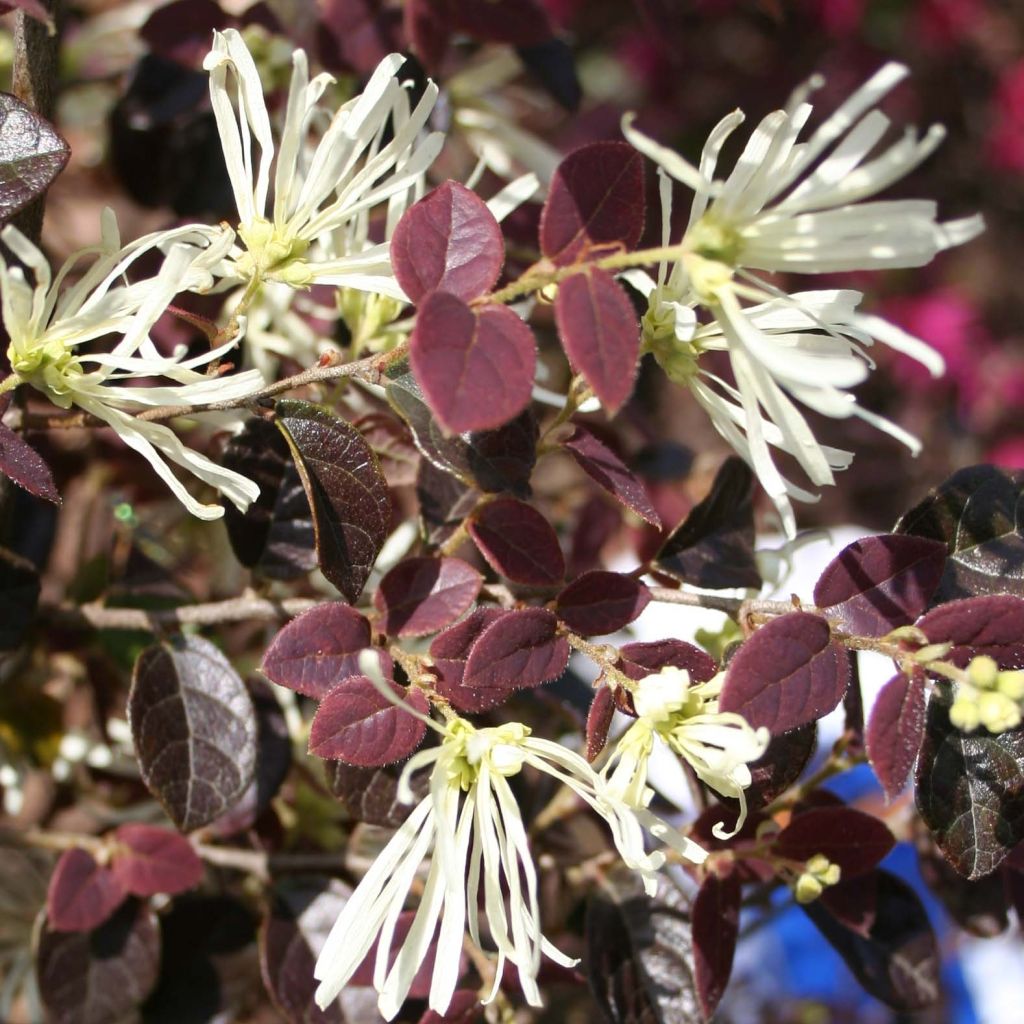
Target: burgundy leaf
(20,462)
(600,332)
(463,1009)
(521,649)
(428,29)
(363,33)
(895,729)
(601,602)
(715,928)
(788,673)
(475,365)
(644,659)
(357,724)
(992,624)
(449,241)
(150,859)
(423,595)
(602,465)
(82,893)
(371,794)
(181,30)
(518,542)
(596,198)
(599,720)
(878,583)
(32,154)
(316,651)
(516,22)
(450,650)
(781,764)
(850,838)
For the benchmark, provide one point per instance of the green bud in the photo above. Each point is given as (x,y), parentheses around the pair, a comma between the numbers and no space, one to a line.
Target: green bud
(964,714)
(807,888)
(997,712)
(983,672)
(1011,684)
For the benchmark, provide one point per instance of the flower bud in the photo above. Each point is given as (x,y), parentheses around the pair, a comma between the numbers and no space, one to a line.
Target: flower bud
(983,672)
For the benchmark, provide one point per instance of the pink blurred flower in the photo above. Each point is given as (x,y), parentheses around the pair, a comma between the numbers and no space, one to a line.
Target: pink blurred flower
(1008,453)
(1005,144)
(943,24)
(837,17)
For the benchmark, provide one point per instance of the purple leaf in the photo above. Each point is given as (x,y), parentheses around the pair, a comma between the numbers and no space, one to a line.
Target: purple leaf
(20,462)
(598,603)
(600,333)
(878,583)
(992,625)
(644,659)
(788,673)
(450,650)
(82,893)
(423,595)
(895,729)
(522,649)
(516,22)
(855,841)
(149,859)
(518,542)
(448,241)
(599,720)
(32,154)
(475,365)
(715,925)
(357,724)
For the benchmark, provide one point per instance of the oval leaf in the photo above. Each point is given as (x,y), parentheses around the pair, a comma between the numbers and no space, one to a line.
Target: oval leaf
(32,154)
(599,720)
(716,922)
(194,729)
(449,651)
(357,724)
(20,462)
(82,893)
(600,333)
(788,673)
(518,542)
(850,838)
(423,595)
(780,765)
(601,602)
(596,198)
(895,729)
(346,491)
(992,625)
(371,794)
(149,860)
(450,241)
(475,366)
(878,583)
(521,649)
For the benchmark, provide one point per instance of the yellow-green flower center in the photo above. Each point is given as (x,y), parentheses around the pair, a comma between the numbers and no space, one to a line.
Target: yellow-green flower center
(467,749)
(47,364)
(273,255)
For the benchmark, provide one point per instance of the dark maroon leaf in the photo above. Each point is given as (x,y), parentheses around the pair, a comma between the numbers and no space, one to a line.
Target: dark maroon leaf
(850,838)
(363,33)
(977,514)
(878,583)
(639,956)
(607,469)
(444,502)
(371,794)
(600,602)
(102,976)
(423,595)
(781,764)
(275,536)
(20,462)
(599,720)
(475,365)
(450,650)
(427,26)
(895,729)
(716,920)
(149,859)
(320,648)
(463,1009)
(552,64)
(788,673)
(517,22)
(970,791)
(392,443)
(345,488)
(643,659)
(600,333)
(713,548)
(32,154)
(518,542)
(194,729)
(183,29)
(596,198)
(448,241)
(82,893)
(300,914)
(522,649)
(19,595)
(992,625)
(897,961)
(357,724)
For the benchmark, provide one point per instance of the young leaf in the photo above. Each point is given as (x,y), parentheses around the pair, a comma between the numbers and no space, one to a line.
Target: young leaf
(371,794)
(895,729)
(32,154)
(82,893)
(475,365)
(599,720)
(20,462)
(320,648)
(194,729)
(522,649)
(600,333)
(449,651)
(716,922)
(603,466)
(448,241)
(788,673)
(992,625)
(149,859)
(878,583)
(518,542)
(970,791)
(598,603)
(855,841)
(19,595)
(423,595)
(345,488)
(713,548)
(596,198)
(357,724)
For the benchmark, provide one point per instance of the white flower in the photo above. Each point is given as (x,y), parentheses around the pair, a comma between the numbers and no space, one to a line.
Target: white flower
(796,207)
(471,821)
(717,745)
(48,324)
(324,189)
